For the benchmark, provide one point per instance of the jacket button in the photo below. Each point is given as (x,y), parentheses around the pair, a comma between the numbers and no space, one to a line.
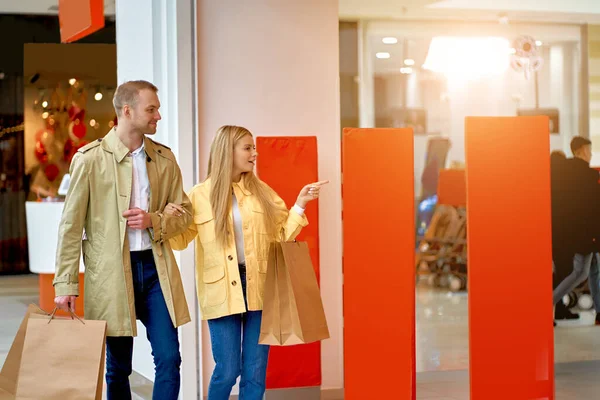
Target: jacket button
(234,283)
(230,258)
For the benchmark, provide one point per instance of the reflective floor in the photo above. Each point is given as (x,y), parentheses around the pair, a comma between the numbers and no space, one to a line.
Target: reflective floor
(442,343)
(443,349)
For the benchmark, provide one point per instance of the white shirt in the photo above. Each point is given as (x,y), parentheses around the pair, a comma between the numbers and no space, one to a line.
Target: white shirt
(238,230)
(239,233)
(140,198)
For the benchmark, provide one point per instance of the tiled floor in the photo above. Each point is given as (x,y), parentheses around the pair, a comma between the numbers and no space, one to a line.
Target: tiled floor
(442,344)
(16,292)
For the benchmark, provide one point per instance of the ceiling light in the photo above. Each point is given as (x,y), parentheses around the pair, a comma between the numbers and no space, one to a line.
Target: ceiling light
(538,43)
(409,61)
(382,55)
(98,96)
(389,40)
(72,81)
(468,57)
(406,70)
(44,104)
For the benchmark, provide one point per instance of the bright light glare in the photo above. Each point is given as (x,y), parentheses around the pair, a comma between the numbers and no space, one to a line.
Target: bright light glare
(467,57)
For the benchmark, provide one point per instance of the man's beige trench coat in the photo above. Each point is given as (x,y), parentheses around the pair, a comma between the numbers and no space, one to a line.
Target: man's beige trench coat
(99,193)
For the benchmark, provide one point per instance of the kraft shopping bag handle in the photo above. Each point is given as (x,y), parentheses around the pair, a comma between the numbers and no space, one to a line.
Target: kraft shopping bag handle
(70,311)
(282,236)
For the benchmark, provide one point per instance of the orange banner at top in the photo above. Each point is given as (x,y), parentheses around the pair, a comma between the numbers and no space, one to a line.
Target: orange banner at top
(79,18)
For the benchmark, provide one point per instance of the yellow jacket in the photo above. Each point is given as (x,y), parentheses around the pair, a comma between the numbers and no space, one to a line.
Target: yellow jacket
(217,274)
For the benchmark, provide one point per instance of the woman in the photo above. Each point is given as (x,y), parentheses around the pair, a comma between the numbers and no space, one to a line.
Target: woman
(236,216)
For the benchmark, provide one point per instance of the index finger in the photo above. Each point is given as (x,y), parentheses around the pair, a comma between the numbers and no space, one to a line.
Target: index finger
(321,183)
(131,212)
(176,206)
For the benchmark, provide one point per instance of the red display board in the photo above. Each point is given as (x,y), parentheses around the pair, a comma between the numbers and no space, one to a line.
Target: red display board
(287,164)
(79,18)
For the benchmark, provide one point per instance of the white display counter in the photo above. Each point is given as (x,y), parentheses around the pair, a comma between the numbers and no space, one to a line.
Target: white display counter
(43,219)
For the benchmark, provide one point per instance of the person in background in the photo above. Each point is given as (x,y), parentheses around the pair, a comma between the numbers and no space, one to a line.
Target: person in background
(574,218)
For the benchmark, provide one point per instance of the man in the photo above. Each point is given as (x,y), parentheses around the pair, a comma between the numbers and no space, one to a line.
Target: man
(574,247)
(118,186)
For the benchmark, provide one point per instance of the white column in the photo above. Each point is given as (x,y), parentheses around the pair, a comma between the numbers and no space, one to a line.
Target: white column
(413,90)
(155,42)
(557,92)
(366,85)
(273,67)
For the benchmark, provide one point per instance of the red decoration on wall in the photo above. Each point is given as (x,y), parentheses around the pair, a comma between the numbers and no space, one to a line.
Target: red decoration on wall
(79,18)
(51,171)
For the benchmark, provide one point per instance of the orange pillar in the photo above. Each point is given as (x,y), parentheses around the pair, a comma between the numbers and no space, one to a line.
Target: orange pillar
(379,264)
(510,258)
(287,164)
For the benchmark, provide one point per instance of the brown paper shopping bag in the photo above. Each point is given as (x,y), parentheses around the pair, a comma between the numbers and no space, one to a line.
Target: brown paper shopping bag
(62,359)
(10,370)
(292,288)
(270,328)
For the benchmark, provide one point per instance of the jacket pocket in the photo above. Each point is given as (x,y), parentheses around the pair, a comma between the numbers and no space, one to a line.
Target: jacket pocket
(215,286)
(213,271)
(205,224)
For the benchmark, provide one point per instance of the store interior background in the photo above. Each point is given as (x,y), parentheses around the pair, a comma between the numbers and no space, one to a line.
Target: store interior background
(374,92)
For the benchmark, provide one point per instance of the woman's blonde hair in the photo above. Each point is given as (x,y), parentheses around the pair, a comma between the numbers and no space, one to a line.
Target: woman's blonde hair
(220,171)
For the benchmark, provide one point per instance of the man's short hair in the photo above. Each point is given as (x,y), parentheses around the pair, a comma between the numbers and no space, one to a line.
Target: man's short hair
(128,93)
(578,142)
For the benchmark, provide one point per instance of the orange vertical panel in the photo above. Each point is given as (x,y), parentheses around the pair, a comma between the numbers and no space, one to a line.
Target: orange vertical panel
(510,258)
(287,164)
(452,187)
(79,18)
(379,264)
(47,295)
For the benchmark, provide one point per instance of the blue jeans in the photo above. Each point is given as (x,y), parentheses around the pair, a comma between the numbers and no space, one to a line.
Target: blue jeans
(236,352)
(151,309)
(581,270)
(594,281)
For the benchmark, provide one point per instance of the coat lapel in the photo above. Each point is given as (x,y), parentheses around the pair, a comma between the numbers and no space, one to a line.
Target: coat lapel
(152,168)
(123,166)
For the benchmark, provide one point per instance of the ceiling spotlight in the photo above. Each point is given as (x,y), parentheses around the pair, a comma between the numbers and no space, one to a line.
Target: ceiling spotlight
(538,43)
(409,61)
(382,55)
(72,81)
(98,96)
(92,122)
(406,70)
(45,114)
(44,104)
(389,40)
